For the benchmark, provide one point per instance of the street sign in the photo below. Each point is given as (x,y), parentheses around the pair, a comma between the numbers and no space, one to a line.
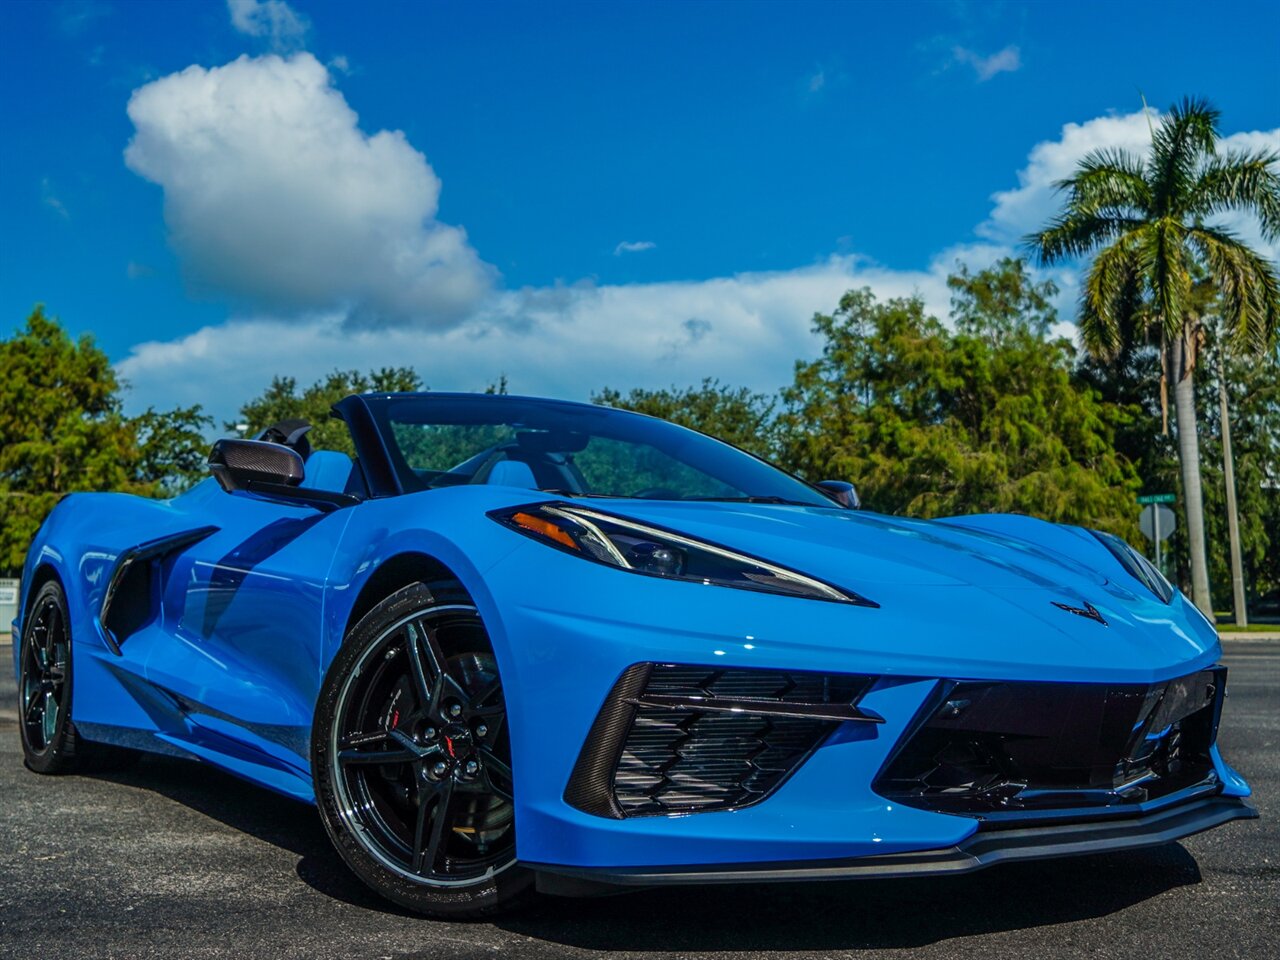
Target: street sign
(1157,498)
(1157,521)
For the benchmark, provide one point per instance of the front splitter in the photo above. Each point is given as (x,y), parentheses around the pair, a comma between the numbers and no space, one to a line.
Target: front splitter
(983,849)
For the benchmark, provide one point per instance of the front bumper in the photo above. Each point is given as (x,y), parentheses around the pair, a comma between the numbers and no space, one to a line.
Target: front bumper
(565,631)
(984,849)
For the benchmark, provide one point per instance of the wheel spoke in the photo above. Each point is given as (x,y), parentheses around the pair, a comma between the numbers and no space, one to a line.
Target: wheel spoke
(407,751)
(491,765)
(477,703)
(429,855)
(364,739)
(32,712)
(421,685)
(349,757)
(51,635)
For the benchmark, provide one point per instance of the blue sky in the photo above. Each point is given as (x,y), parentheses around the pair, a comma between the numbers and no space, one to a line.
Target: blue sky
(584,194)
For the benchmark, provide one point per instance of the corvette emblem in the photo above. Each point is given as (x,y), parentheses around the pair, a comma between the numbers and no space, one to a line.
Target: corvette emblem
(1088,611)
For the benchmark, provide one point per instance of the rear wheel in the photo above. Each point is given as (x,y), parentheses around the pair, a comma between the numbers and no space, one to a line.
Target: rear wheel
(412,761)
(50,743)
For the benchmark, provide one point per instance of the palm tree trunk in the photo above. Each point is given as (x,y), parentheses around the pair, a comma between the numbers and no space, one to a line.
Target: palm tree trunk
(1184,405)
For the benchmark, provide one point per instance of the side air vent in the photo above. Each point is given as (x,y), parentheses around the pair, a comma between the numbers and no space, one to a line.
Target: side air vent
(676,739)
(131,599)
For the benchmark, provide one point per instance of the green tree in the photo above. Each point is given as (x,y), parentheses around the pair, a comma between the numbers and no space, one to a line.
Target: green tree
(733,414)
(62,431)
(1145,223)
(1253,385)
(282,400)
(172,448)
(930,422)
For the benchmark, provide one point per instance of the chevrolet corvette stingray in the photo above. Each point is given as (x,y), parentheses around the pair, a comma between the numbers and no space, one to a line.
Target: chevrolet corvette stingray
(519,645)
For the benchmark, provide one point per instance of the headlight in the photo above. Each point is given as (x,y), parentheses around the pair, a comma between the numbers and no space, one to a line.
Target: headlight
(1138,566)
(640,548)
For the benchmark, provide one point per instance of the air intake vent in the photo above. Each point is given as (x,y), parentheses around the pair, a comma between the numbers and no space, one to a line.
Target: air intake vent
(675,739)
(1001,750)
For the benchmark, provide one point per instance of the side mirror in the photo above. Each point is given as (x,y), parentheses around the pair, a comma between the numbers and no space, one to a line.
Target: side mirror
(246,464)
(271,471)
(845,493)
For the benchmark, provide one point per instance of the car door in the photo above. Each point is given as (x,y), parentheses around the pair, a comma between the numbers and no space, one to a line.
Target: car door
(241,653)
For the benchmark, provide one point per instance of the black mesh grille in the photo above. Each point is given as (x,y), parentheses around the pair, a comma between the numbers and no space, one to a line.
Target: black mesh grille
(644,759)
(1002,749)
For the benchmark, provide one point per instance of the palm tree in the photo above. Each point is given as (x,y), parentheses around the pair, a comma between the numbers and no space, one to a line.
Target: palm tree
(1149,223)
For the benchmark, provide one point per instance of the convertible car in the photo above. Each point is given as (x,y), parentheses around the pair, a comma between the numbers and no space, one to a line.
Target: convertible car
(521,645)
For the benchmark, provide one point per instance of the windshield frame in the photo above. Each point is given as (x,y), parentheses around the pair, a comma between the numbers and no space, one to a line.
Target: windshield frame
(387,472)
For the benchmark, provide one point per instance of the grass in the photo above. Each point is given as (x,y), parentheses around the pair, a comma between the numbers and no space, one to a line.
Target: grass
(1251,628)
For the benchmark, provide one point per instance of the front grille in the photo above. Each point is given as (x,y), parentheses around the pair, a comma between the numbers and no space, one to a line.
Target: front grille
(1002,749)
(674,739)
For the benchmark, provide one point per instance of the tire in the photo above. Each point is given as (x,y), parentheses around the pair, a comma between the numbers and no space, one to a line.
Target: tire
(50,743)
(431,827)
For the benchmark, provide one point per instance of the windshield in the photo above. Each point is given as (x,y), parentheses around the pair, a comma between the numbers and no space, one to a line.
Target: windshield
(569,449)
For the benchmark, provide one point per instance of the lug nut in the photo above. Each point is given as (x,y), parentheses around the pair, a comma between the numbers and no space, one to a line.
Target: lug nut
(455,709)
(481,730)
(472,768)
(429,733)
(439,769)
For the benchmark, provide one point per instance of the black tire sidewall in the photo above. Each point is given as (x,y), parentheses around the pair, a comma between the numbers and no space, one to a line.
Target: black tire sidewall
(487,896)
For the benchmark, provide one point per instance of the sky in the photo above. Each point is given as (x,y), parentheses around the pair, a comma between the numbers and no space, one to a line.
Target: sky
(573,195)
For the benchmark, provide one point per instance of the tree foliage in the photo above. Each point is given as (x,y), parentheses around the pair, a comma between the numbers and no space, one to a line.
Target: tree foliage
(930,421)
(62,431)
(282,400)
(733,414)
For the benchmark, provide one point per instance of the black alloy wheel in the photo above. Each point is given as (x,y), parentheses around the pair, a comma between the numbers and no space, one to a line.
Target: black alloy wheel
(412,760)
(50,742)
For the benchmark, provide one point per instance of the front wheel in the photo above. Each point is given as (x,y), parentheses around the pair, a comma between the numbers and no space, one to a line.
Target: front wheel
(412,761)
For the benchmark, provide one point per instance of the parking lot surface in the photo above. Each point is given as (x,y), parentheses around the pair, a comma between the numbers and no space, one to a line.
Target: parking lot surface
(174,859)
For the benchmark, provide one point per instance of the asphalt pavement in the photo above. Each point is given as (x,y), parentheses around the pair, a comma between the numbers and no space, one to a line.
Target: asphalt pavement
(174,859)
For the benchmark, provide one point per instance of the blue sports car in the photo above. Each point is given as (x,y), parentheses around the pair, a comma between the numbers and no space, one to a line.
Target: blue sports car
(520,645)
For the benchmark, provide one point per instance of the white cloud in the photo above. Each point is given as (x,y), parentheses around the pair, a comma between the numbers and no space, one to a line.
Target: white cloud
(817,81)
(558,341)
(273,20)
(1007,60)
(633,246)
(276,199)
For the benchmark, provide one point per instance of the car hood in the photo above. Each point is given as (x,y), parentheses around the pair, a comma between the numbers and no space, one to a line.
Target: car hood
(992,582)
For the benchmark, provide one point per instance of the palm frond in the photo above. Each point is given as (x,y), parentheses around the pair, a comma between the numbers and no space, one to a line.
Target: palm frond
(1248,288)
(1112,314)
(1108,181)
(1170,276)
(1181,141)
(1075,234)
(1248,181)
